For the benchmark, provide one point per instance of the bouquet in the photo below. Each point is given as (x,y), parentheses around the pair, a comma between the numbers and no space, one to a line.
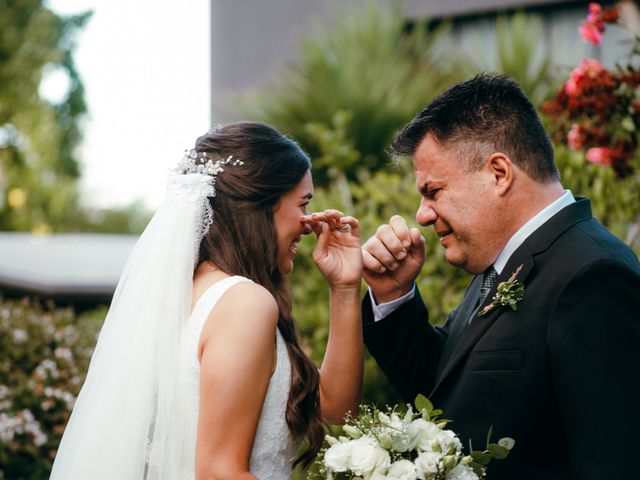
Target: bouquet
(393,444)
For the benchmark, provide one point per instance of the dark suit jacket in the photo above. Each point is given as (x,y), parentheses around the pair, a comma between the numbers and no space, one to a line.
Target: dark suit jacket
(560,375)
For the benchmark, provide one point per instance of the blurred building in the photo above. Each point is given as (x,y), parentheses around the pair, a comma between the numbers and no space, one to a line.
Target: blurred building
(81,269)
(252,39)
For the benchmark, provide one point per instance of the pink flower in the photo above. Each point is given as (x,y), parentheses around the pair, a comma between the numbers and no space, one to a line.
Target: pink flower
(600,156)
(595,12)
(594,26)
(588,69)
(591,33)
(575,137)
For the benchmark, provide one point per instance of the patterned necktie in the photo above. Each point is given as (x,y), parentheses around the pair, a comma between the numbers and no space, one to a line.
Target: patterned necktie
(489,278)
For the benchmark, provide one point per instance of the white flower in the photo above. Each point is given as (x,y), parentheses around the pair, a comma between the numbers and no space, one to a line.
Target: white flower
(378,475)
(47,368)
(447,440)
(20,336)
(462,472)
(402,470)
(400,442)
(367,456)
(337,456)
(395,431)
(427,465)
(63,353)
(24,422)
(422,434)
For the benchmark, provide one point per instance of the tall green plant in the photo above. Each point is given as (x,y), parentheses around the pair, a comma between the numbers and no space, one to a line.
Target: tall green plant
(367,62)
(38,170)
(522,52)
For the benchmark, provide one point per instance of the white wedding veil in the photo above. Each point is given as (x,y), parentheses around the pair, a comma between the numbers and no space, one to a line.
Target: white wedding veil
(130,421)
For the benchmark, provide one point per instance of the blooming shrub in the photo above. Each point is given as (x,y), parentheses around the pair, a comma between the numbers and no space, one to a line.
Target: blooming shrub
(596,109)
(594,25)
(45,353)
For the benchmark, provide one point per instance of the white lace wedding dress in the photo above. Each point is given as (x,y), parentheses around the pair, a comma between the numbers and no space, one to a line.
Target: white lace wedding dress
(274,447)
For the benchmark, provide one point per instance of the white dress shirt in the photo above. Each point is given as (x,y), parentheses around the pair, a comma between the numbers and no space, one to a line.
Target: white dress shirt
(382,310)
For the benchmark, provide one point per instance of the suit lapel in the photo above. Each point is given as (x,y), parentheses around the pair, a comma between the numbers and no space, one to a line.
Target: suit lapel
(480,324)
(459,322)
(538,241)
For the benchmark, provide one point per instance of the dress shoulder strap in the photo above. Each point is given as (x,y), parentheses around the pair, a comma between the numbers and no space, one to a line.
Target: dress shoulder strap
(211,296)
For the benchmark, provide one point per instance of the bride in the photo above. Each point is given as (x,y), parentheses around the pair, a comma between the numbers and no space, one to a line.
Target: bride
(198,371)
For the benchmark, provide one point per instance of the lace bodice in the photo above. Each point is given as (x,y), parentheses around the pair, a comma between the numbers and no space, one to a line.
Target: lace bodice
(274,447)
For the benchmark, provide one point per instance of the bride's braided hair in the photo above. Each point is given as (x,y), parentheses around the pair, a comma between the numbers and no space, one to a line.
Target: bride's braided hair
(242,240)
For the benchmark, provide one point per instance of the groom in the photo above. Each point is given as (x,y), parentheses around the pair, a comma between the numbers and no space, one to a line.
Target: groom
(560,373)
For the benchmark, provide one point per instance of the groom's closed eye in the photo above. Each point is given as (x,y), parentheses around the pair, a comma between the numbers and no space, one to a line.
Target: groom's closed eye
(429,193)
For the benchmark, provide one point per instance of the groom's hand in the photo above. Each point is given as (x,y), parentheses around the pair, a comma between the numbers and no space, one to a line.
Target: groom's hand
(393,258)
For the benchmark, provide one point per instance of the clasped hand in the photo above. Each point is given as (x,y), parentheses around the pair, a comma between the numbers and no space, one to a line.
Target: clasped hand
(393,258)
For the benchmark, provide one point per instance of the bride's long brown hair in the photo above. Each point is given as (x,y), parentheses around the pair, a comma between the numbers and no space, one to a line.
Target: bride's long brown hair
(242,241)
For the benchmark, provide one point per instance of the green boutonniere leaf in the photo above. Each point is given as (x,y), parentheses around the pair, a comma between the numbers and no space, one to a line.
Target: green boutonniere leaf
(508,294)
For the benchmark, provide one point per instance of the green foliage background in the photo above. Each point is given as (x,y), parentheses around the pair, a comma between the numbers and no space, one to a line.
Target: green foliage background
(39,168)
(352,86)
(345,96)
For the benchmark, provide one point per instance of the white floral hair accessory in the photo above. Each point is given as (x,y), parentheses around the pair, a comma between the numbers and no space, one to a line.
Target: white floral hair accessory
(199,162)
(194,180)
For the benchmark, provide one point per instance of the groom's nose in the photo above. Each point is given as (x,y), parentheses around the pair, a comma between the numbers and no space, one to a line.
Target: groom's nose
(426,215)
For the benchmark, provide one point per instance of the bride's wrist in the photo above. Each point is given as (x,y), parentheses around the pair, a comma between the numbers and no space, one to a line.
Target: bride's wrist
(345,289)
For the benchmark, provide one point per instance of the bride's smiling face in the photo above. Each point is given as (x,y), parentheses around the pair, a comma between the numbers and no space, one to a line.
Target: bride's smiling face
(287,218)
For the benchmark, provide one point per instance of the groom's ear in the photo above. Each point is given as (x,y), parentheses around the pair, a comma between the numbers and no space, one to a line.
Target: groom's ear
(502,169)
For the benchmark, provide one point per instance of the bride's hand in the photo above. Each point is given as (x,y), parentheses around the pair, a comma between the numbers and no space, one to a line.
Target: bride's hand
(338,253)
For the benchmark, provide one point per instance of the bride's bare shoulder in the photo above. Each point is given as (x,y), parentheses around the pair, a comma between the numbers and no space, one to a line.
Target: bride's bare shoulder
(245,308)
(250,298)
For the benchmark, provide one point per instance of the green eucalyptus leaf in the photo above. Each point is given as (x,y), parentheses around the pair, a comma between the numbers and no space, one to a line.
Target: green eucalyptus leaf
(482,458)
(423,403)
(507,442)
(497,451)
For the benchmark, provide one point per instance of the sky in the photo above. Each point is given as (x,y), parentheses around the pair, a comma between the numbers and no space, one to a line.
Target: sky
(145,65)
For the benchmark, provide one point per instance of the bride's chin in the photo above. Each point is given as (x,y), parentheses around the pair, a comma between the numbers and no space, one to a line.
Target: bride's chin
(286,267)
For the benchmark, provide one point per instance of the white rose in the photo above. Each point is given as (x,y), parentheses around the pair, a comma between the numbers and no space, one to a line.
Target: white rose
(462,472)
(402,470)
(400,442)
(394,431)
(447,439)
(427,465)
(337,456)
(422,434)
(378,475)
(367,456)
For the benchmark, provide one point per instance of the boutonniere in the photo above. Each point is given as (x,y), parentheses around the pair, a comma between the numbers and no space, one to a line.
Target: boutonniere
(508,295)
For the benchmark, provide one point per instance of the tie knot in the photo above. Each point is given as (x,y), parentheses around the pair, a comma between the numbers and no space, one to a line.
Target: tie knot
(489,278)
